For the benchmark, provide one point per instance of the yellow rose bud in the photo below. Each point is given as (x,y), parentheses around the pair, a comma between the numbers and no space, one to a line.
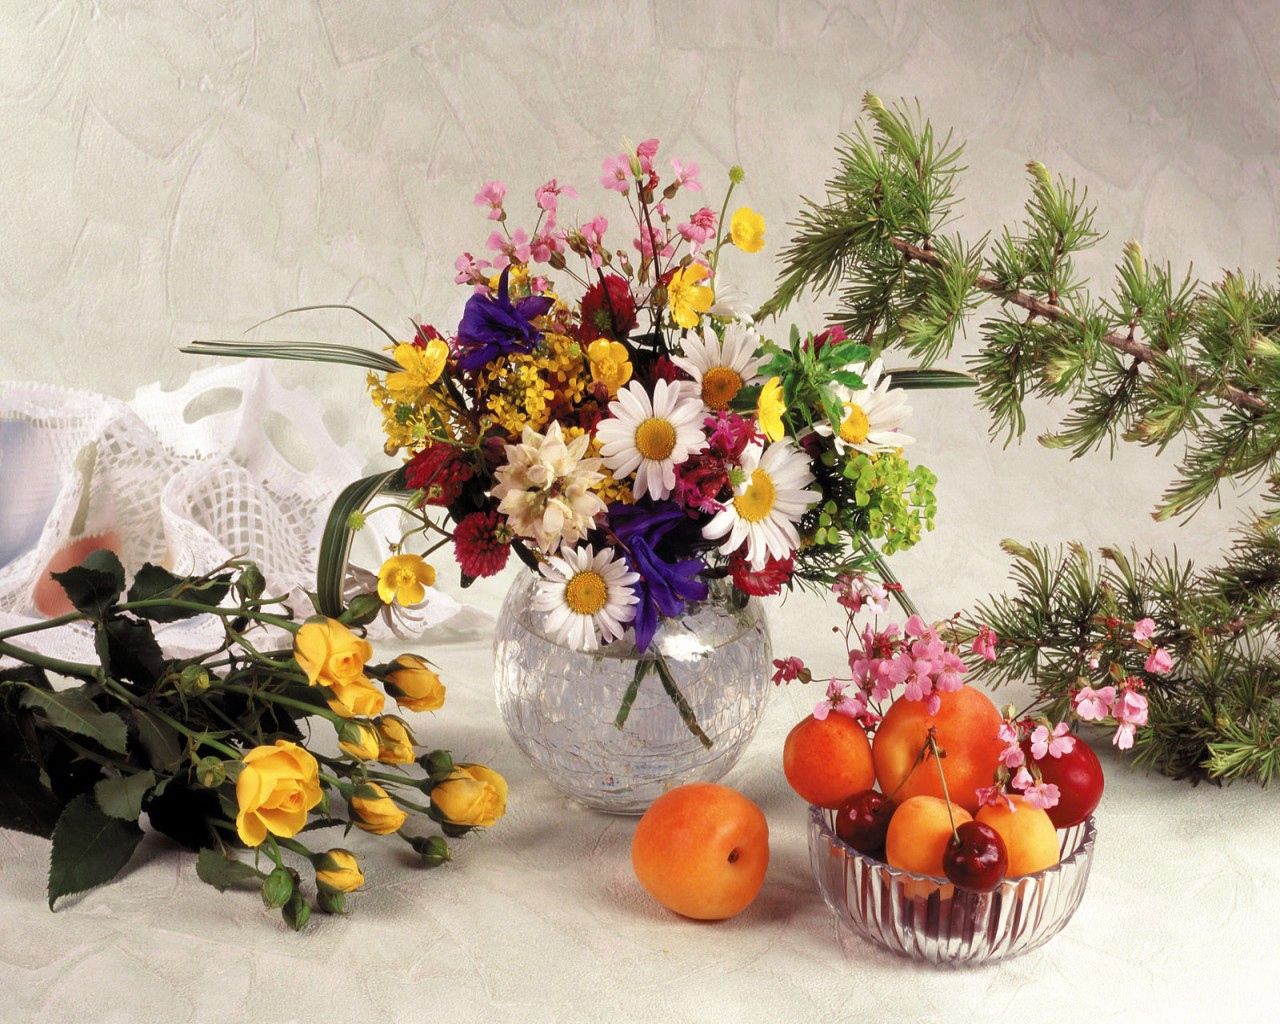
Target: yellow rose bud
(471,795)
(332,656)
(415,685)
(395,741)
(276,788)
(404,579)
(360,740)
(769,409)
(338,871)
(610,364)
(374,811)
(747,229)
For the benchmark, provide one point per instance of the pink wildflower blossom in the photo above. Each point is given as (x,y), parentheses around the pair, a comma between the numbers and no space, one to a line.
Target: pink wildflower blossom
(984,644)
(491,195)
(686,175)
(1052,744)
(1143,628)
(838,701)
(617,173)
(788,669)
(1159,662)
(645,153)
(699,228)
(1042,795)
(993,796)
(1094,705)
(512,250)
(547,196)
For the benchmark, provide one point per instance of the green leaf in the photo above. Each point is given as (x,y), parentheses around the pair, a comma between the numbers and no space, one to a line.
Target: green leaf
(225,873)
(94,585)
(919,378)
(128,650)
(335,542)
(73,711)
(26,803)
(121,797)
(159,739)
(89,848)
(155,583)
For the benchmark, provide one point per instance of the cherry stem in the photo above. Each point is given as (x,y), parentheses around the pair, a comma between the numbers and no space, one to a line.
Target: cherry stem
(932,744)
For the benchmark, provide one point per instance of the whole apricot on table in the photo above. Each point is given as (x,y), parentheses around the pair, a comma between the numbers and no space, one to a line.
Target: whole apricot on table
(965,728)
(919,832)
(702,850)
(1028,835)
(827,760)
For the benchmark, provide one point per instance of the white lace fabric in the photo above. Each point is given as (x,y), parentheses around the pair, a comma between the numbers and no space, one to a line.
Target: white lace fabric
(185,479)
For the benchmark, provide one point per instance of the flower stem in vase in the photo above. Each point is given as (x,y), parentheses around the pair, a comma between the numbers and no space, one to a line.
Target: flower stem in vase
(678,698)
(629,698)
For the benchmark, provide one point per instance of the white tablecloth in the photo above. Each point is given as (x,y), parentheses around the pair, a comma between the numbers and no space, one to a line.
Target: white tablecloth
(541,919)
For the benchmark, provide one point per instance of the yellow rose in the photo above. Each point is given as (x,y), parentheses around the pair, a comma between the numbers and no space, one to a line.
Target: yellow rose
(360,740)
(404,579)
(747,229)
(338,871)
(331,655)
(415,685)
(471,795)
(277,786)
(395,741)
(374,811)
(687,297)
(610,364)
(422,366)
(769,409)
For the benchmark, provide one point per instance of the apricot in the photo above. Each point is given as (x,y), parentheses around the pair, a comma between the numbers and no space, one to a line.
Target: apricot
(965,728)
(702,850)
(919,832)
(827,760)
(1028,835)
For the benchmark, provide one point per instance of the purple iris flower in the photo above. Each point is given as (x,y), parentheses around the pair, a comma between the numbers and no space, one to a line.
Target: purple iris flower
(493,327)
(665,587)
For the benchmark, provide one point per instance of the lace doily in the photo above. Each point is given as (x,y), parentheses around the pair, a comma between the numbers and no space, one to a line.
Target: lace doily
(215,469)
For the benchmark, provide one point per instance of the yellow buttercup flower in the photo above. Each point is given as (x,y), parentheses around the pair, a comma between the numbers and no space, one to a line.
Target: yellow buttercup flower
(332,656)
(374,811)
(422,366)
(415,685)
(338,871)
(747,229)
(687,297)
(360,740)
(403,579)
(395,741)
(276,788)
(471,794)
(769,409)
(610,364)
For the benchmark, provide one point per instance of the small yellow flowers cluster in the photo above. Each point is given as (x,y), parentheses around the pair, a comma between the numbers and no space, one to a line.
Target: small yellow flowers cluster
(609,489)
(523,390)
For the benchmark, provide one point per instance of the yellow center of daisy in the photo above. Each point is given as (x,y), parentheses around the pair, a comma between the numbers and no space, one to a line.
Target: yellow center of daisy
(586,593)
(719,387)
(856,426)
(655,439)
(756,502)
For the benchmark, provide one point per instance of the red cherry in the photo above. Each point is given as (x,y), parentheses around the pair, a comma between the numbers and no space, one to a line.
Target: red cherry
(1078,776)
(976,857)
(863,820)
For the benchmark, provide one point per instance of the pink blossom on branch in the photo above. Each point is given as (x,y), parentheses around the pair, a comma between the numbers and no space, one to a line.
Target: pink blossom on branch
(1052,744)
(512,250)
(617,173)
(491,195)
(686,175)
(645,152)
(787,670)
(1042,795)
(1143,629)
(1159,662)
(1094,705)
(984,644)
(840,702)
(547,195)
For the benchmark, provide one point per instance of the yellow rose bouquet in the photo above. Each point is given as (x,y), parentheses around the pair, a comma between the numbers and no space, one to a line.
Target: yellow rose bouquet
(209,748)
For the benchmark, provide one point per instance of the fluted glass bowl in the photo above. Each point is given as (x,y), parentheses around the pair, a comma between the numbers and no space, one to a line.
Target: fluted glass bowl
(562,707)
(929,919)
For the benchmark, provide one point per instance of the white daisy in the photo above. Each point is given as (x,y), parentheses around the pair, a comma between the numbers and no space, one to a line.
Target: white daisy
(650,437)
(545,487)
(873,414)
(721,368)
(768,500)
(586,596)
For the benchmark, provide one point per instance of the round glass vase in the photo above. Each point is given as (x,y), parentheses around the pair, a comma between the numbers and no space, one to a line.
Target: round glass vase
(617,728)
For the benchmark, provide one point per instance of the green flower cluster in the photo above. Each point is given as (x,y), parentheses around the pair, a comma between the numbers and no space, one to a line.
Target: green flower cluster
(895,497)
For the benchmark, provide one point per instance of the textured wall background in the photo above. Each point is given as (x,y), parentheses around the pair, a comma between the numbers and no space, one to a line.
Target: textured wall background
(180,170)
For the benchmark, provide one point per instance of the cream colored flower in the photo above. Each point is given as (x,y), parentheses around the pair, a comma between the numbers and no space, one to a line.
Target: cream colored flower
(545,488)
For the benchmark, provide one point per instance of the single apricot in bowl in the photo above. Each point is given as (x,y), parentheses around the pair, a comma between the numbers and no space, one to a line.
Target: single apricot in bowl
(1028,835)
(919,832)
(702,850)
(827,760)
(965,729)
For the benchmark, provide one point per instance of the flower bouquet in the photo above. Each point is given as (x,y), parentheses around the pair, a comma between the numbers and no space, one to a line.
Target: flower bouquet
(643,448)
(210,747)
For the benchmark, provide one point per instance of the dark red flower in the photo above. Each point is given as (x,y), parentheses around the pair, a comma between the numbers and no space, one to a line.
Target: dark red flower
(481,544)
(829,337)
(426,333)
(608,310)
(700,480)
(760,582)
(665,369)
(439,471)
